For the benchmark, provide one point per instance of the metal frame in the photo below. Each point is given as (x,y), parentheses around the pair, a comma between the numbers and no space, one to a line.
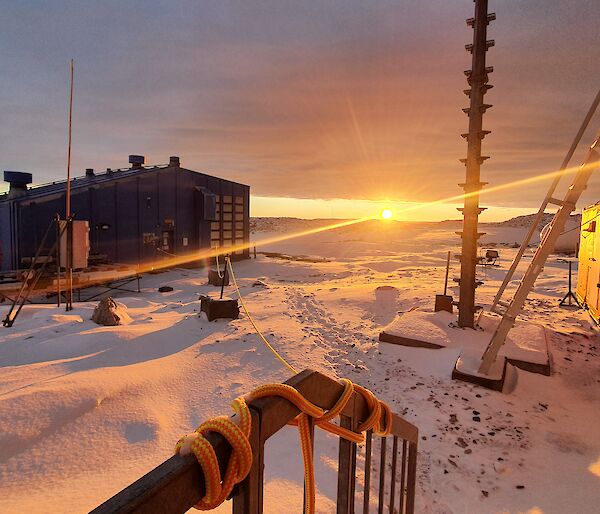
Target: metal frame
(114,285)
(557,226)
(32,276)
(547,200)
(178,483)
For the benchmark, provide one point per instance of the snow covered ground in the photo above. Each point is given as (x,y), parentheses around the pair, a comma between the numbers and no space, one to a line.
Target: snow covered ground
(85,410)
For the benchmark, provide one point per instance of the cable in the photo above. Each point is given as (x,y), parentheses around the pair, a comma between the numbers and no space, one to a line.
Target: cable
(273,350)
(166,253)
(218,267)
(580,225)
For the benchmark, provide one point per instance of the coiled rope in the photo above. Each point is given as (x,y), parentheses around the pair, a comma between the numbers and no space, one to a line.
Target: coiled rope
(237,431)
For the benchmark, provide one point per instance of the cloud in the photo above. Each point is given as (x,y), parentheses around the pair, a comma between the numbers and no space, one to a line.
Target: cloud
(299,99)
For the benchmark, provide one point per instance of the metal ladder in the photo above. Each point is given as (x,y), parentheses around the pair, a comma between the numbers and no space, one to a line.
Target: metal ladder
(33,275)
(547,200)
(510,310)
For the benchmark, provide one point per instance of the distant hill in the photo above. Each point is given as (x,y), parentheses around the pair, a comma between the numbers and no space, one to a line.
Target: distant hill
(526,221)
(285,224)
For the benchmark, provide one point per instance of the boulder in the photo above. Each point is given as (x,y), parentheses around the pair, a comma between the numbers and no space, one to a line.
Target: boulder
(110,313)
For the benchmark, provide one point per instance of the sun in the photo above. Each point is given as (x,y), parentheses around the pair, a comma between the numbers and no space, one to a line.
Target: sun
(386,214)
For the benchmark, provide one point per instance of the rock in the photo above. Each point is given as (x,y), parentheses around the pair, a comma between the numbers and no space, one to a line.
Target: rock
(499,467)
(110,313)
(165,289)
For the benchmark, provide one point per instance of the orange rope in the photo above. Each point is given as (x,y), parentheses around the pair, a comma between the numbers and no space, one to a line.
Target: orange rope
(218,490)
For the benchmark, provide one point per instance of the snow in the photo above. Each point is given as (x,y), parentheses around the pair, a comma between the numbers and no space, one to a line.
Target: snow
(525,342)
(85,410)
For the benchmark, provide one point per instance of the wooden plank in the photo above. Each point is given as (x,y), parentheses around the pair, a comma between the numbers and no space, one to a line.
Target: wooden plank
(324,392)
(404,430)
(367,484)
(248,495)
(174,486)
(411,478)
(403,479)
(382,476)
(385,337)
(346,470)
(393,477)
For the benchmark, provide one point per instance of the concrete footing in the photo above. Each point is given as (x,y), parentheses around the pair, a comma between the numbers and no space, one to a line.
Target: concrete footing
(526,346)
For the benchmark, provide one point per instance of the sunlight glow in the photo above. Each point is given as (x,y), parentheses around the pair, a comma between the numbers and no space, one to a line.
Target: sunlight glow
(212,252)
(386,214)
(594,467)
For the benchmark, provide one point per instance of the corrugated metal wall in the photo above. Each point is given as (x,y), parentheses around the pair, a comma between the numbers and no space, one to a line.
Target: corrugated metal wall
(125,214)
(588,276)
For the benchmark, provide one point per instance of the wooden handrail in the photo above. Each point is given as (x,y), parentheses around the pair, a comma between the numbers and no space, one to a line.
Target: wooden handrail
(178,483)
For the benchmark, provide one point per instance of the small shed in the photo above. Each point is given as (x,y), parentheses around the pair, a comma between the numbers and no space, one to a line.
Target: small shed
(588,278)
(136,215)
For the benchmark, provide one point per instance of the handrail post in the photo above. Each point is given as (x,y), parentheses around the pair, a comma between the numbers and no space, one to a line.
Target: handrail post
(347,465)
(411,478)
(248,495)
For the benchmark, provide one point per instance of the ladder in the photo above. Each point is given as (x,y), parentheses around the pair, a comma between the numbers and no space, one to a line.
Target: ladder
(497,302)
(510,310)
(35,272)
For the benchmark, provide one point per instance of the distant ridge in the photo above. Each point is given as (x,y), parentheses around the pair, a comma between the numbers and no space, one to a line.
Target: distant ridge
(286,224)
(527,220)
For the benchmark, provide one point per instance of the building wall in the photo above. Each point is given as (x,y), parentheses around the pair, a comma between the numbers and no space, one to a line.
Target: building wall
(6,244)
(130,215)
(588,277)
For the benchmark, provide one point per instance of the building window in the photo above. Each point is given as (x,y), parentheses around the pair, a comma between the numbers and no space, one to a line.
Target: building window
(229,229)
(149,238)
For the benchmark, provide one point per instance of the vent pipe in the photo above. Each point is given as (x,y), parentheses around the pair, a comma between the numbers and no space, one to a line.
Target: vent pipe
(18,182)
(89,172)
(137,161)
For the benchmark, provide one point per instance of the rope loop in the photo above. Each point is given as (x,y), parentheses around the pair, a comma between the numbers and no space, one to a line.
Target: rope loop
(237,431)
(216,489)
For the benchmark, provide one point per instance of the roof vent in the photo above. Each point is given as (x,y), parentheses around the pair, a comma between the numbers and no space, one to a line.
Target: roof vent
(89,172)
(174,161)
(18,182)
(137,161)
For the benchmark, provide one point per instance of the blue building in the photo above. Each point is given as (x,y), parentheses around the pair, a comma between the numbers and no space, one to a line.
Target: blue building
(135,214)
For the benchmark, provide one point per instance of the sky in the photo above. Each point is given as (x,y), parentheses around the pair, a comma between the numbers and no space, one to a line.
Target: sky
(325,108)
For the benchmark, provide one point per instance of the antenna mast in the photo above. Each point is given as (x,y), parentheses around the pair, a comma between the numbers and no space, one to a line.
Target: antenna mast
(68,214)
(477,77)
(68,206)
